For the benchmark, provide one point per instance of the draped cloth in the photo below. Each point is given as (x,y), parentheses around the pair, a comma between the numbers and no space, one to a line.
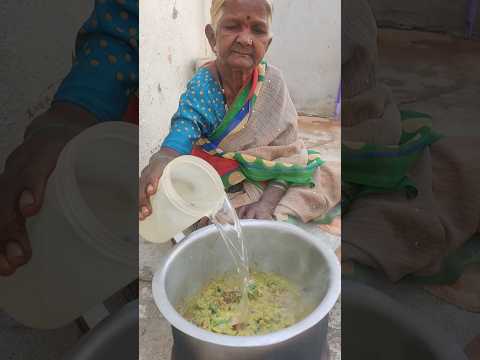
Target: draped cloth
(413,197)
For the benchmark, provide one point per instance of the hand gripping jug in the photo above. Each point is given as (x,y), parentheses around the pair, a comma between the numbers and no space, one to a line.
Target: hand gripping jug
(188,190)
(84,240)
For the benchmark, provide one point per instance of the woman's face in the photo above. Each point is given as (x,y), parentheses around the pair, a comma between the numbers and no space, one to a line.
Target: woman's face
(243,35)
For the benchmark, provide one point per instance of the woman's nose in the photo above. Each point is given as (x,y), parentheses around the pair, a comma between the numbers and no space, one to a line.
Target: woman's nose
(245,38)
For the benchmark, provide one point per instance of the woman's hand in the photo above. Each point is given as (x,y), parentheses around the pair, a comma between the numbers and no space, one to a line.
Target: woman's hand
(23,182)
(148,183)
(264,208)
(261,210)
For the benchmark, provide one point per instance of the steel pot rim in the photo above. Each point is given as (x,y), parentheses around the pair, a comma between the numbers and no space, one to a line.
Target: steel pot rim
(320,312)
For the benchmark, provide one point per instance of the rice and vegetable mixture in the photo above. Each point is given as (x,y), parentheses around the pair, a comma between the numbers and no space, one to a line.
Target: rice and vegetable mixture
(274,303)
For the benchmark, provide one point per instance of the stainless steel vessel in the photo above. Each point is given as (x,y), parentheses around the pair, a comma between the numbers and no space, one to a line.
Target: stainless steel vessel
(394,331)
(116,337)
(273,246)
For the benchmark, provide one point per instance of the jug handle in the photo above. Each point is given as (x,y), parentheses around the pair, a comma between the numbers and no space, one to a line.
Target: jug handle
(179,237)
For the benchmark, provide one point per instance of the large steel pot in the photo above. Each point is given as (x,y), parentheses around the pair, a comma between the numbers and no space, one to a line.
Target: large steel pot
(273,246)
(116,337)
(375,326)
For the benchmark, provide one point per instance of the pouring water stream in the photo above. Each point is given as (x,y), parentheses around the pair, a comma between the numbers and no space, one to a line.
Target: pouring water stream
(228,225)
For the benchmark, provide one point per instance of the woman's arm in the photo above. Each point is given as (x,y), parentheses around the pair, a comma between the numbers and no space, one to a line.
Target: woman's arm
(274,192)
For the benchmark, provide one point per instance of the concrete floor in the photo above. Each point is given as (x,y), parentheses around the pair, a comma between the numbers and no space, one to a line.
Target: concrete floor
(438,75)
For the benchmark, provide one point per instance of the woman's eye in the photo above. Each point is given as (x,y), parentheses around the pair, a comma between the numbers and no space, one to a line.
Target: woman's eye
(231,27)
(259,30)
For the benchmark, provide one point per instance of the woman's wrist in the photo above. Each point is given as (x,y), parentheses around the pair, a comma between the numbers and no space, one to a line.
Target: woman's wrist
(279,184)
(164,154)
(64,120)
(274,193)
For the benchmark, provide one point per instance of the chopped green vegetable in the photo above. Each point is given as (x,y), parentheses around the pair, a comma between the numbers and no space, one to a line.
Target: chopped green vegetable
(216,322)
(274,303)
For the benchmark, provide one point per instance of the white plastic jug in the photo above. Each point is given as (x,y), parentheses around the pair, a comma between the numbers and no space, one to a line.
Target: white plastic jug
(83,246)
(189,189)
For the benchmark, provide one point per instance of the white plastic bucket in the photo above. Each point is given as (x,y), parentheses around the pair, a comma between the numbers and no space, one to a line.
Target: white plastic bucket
(189,189)
(83,246)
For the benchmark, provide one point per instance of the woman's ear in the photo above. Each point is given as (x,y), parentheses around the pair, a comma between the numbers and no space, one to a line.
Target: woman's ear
(210,33)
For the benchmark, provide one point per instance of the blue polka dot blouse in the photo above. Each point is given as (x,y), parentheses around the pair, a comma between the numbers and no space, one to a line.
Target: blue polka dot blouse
(105,69)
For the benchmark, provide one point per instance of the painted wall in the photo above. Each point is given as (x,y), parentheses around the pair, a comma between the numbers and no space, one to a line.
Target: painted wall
(434,15)
(307,48)
(171,40)
(34,57)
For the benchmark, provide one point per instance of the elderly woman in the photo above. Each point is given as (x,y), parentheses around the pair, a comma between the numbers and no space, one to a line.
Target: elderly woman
(237,114)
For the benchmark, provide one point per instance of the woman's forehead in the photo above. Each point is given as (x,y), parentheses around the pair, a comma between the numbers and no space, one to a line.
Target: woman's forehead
(255,9)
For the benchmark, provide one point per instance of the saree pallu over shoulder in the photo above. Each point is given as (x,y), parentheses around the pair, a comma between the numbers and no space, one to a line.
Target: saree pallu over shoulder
(272,122)
(237,116)
(258,133)
(263,114)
